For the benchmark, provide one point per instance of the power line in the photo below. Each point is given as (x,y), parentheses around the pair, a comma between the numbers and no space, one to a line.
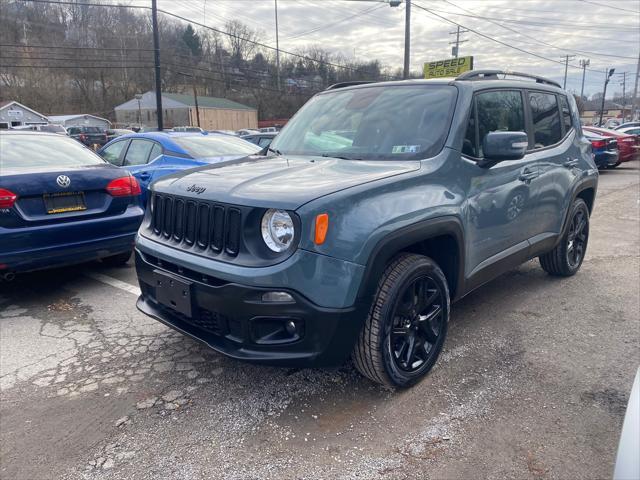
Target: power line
(260,44)
(491,38)
(333,24)
(609,6)
(531,37)
(19,45)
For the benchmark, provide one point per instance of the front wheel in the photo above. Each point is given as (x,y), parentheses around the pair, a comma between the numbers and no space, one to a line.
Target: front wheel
(566,258)
(407,325)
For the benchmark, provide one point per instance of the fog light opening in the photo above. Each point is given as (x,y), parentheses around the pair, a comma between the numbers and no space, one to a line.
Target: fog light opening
(291,327)
(277,297)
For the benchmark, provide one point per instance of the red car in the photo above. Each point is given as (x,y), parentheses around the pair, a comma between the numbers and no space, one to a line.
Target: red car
(628,145)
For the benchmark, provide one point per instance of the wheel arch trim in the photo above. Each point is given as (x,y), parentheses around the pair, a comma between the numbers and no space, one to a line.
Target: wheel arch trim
(401,239)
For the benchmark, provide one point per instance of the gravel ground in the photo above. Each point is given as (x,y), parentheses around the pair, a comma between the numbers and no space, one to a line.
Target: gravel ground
(533,382)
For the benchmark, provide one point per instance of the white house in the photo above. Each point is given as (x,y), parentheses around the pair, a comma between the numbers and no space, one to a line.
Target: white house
(14,114)
(80,120)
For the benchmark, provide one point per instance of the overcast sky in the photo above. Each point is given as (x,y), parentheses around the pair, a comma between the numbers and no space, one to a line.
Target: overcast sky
(603,31)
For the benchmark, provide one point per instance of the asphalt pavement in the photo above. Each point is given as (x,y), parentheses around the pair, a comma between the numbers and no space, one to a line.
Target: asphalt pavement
(532,383)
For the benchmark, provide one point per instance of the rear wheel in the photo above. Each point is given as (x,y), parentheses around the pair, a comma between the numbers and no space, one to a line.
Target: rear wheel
(406,328)
(566,258)
(117,260)
(614,165)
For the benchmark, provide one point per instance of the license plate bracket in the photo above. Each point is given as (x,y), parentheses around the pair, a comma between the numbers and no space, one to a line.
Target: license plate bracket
(63,202)
(173,292)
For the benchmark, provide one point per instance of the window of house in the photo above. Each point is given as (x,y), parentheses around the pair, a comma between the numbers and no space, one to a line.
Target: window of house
(546,119)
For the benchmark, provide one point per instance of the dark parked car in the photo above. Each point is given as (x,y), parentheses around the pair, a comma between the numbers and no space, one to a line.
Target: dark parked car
(605,150)
(60,204)
(88,136)
(381,205)
(263,140)
(117,132)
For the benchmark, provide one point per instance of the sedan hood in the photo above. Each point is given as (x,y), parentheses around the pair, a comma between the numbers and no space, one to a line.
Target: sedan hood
(278,182)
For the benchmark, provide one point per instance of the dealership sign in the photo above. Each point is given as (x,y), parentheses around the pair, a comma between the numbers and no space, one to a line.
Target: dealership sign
(448,68)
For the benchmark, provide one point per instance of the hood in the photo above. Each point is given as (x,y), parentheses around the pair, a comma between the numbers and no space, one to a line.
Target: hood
(278,182)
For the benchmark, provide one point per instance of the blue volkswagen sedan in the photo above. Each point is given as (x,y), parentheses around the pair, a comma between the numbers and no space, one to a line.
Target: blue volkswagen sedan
(149,156)
(61,204)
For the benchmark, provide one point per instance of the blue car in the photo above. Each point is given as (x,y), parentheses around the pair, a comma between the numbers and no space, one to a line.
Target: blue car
(605,150)
(149,156)
(61,204)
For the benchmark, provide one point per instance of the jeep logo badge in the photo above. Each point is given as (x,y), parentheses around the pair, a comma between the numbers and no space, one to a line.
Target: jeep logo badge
(63,181)
(196,189)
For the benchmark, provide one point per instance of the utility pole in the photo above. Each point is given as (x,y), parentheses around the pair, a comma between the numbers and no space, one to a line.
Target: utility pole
(277,46)
(566,67)
(584,63)
(634,100)
(607,76)
(195,94)
(455,49)
(407,38)
(156,58)
(624,93)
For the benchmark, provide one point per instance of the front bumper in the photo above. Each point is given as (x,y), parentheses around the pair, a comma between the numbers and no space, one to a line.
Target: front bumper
(232,319)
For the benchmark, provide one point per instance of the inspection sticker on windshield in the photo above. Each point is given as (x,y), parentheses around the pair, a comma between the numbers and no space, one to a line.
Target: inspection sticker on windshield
(405,149)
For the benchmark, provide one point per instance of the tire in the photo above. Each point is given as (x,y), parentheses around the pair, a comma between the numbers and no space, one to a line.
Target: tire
(566,258)
(614,165)
(117,260)
(412,301)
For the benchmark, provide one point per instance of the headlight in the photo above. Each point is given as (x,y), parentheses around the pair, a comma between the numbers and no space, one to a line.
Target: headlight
(277,230)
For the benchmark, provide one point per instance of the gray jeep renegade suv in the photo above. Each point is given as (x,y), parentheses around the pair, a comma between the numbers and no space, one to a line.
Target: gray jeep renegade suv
(377,205)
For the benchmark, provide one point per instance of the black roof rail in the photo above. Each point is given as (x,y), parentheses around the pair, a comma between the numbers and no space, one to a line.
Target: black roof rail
(493,75)
(348,84)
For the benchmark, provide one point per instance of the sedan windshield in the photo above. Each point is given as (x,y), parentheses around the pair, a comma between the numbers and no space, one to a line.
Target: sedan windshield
(31,151)
(202,146)
(377,122)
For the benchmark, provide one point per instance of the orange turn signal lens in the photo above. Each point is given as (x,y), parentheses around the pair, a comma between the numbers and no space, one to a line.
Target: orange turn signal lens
(322,226)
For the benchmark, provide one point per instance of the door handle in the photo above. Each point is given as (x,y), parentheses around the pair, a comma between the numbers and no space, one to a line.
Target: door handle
(145,176)
(571,163)
(527,175)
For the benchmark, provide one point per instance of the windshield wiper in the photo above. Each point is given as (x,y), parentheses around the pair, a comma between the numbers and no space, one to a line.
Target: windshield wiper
(341,157)
(274,150)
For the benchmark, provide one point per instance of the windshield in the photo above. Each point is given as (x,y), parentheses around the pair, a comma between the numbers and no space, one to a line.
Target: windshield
(201,146)
(381,122)
(29,151)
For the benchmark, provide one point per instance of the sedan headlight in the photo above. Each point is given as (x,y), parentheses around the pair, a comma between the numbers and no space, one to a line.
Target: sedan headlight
(277,230)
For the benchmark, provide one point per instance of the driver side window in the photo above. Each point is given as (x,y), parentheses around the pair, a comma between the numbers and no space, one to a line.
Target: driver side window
(497,110)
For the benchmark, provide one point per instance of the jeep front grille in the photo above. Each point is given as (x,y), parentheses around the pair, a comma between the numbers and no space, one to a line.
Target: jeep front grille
(189,223)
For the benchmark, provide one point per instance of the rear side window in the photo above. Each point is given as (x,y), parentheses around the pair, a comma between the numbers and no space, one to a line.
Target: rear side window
(500,110)
(566,113)
(546,119)
(156,151)
(138,152)
(112,153)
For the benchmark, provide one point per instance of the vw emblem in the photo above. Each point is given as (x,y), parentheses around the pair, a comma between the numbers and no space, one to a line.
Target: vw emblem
(63,181)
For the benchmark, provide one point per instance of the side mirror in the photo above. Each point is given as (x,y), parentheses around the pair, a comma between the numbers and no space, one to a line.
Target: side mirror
(499,146)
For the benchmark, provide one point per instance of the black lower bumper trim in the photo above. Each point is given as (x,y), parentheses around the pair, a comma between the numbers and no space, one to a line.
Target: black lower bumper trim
(224,316)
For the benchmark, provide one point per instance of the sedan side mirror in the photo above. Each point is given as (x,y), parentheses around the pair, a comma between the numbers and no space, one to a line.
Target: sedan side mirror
(499,146)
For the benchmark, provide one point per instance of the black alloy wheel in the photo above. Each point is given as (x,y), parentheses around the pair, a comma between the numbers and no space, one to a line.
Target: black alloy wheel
(418,320)
(577,239)
(407,325)
(567,256)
